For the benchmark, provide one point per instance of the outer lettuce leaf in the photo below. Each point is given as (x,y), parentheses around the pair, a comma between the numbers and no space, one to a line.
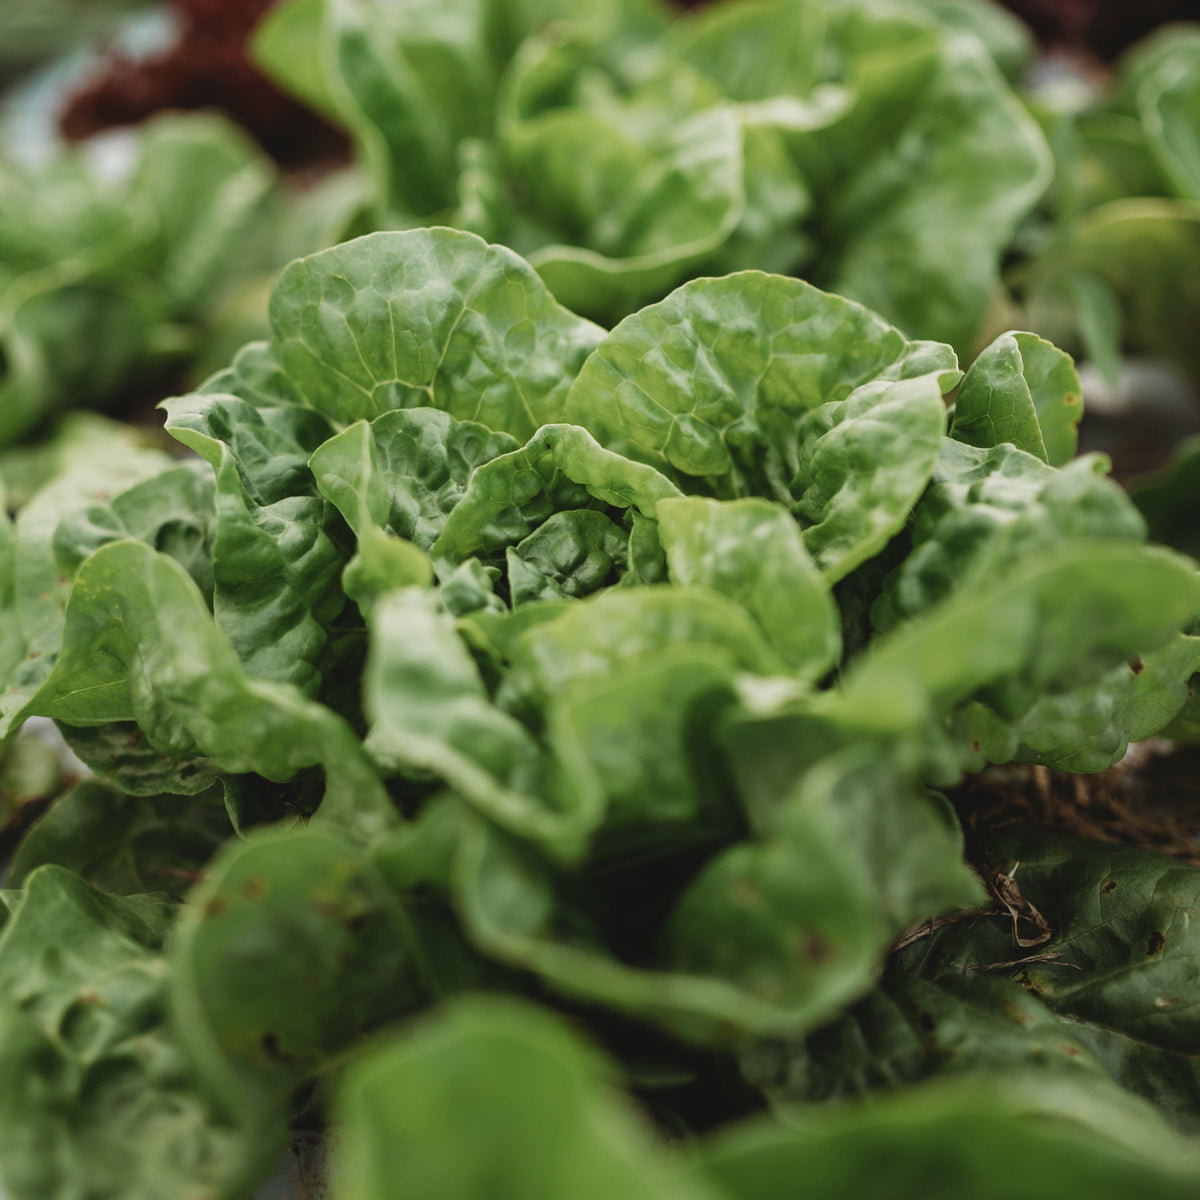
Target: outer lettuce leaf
(714,382)
(125,844)
(171,511)
(957,1137)
(793,924)
(638,740)
(554,1126)
(1060,619)
(910,1029)
(471,330)
(119,754)
(37,590)
(988,1028)
(140,644)
(284,956)
(1022,390)
(1089,728)
(1122,944)
(945,690)
(97,1096)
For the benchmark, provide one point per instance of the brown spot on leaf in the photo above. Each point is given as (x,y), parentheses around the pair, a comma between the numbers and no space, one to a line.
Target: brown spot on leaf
(1108,887)
(815,948)
(924,1019)
(1067,1048)
(273,1050)
(1157,941)
(254,887)
(215,906)
(1136,665)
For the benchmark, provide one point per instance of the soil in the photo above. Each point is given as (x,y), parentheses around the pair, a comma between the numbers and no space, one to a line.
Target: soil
(1151,799)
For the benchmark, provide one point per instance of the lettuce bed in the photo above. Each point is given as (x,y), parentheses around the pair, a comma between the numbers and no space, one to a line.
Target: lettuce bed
(551,723)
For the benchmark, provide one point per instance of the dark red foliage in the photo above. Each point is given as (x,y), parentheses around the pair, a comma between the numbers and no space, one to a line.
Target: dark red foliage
(207,67)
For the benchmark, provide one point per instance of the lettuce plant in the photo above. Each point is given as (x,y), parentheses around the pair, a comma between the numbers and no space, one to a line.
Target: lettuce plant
(106,282)
(1112,255)
(872,148)
(480,650)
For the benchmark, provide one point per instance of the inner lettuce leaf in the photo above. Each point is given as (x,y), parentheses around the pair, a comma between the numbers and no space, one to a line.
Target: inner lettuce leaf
(541,507)
(753,551)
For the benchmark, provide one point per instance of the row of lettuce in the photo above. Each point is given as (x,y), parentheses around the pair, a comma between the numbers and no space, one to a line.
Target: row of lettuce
(478,650)
(872,147)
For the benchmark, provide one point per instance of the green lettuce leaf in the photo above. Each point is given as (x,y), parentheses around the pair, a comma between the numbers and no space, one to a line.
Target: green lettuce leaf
(957,1137)
(125,844)
(473,332)
(1122,946)
(714,382)
(140,644)
(430,712)
(891,118)
(287,953)
(897,428)
(752,551)
(98,1096)
(277,549)
(1022,390)
(987,510)
(554,1125)
(534,506)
